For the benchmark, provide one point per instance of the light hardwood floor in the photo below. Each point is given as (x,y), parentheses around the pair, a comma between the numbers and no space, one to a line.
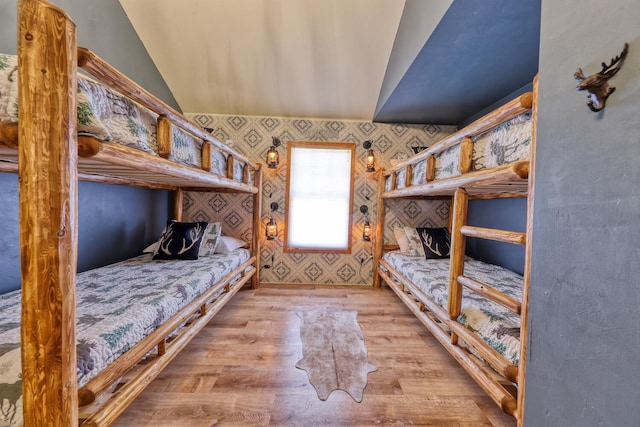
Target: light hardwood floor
(240,370)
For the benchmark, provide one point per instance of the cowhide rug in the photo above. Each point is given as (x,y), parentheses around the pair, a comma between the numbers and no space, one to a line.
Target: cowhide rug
(333,352)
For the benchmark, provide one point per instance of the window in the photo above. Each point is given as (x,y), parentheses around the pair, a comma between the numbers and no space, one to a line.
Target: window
(319,197)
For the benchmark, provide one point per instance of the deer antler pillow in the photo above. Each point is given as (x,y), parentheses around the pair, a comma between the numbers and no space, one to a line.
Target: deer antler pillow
(180,240)
(432,243)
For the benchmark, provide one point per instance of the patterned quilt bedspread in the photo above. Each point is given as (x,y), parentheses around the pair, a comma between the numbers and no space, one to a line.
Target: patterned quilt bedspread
(117,306)
(108,116)
(495,324)
(507,143)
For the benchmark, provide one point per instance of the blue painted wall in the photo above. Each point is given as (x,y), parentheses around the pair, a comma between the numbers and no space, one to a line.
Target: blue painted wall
(115,222)
(504,214)
(9,233)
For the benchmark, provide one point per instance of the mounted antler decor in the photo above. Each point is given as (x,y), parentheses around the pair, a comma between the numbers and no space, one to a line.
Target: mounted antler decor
(596,84)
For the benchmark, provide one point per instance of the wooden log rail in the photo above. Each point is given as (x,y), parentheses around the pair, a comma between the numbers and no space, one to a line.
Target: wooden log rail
(113,163)
(115,159)
(484,289)
(491,293)
(485,183)
(437,321)
(494,234)
(464,138)
(110,76)
(90,147)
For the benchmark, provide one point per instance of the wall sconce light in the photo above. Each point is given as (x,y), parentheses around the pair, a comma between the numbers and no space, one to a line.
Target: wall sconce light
(272,155)
(366,229)
(271,229)
(370,157)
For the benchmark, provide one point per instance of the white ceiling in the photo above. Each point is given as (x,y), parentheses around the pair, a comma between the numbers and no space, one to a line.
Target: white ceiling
(279,58)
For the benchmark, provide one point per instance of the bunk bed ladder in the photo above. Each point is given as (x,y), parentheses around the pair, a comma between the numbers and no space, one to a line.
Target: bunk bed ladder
(460,230)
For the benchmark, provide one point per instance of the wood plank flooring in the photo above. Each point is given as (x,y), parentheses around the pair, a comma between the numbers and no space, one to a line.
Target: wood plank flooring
(240,370)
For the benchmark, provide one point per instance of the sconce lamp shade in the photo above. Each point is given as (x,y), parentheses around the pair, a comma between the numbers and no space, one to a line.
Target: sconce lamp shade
(271,231)
(272,158)
(370,162)
(366,231)
(272,155)
(271,228)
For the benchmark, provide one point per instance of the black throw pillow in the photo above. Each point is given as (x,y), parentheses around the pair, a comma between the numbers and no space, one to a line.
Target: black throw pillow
(435,241)
(180,240)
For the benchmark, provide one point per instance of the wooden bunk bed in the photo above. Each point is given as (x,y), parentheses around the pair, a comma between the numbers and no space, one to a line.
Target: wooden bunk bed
(43,147)
(447,295)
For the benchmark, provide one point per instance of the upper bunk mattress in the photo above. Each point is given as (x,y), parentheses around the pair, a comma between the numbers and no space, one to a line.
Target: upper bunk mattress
(494,323)
(117,306)
(507,143)
(106,115)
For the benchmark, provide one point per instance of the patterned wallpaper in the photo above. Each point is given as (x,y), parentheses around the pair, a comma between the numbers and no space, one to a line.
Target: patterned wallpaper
(251,135)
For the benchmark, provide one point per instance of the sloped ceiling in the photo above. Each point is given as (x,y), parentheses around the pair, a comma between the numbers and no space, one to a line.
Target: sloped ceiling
(396,61)
(290,58)
(480,52)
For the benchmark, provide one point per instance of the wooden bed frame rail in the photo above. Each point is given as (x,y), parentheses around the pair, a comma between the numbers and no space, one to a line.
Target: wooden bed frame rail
(106,73)
(437,321)
(103,154)
(113,163)
(463,137)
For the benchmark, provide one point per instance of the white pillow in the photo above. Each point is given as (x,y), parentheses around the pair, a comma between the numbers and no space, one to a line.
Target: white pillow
(414,243)
(210,239)
(401,238)
(228,244)
(151,249)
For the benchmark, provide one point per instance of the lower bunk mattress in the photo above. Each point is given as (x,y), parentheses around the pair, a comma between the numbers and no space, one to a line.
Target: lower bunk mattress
(117,306)
(498,326)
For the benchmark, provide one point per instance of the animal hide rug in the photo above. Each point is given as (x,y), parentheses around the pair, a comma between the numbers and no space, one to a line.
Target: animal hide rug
(333,352)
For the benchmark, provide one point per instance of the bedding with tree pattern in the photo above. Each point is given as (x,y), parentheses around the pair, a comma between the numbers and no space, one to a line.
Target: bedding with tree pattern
(495,324)
(117,306)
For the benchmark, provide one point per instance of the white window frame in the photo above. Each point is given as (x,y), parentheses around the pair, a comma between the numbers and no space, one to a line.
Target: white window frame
(293,225)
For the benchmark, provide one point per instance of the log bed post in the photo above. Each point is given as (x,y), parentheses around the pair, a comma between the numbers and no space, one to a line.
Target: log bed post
(459,218)
(524,310)
(466,155)
(230,166)
(206,156)
(178,204)
(431,168)
(47,60)
(257,224)
(379,242)
(408,176)
(163,137)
